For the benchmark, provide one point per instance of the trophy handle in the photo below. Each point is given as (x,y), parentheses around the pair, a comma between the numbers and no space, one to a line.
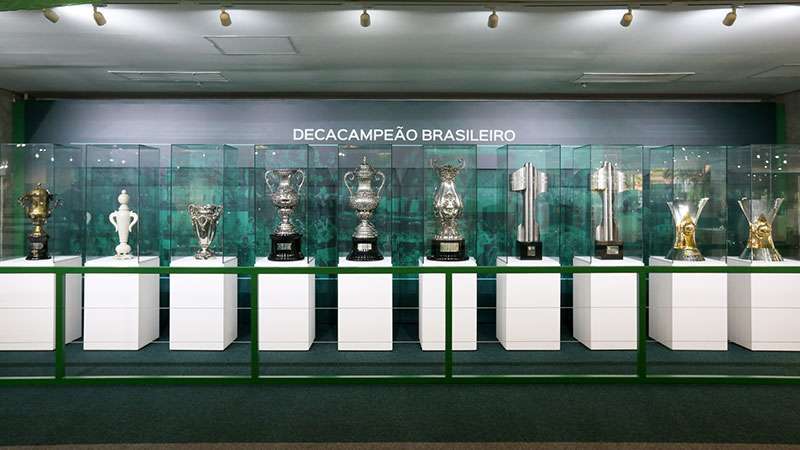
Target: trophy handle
(113,219)
(266,180)
(133,222)
(383,181)
(302,179)
(349,176)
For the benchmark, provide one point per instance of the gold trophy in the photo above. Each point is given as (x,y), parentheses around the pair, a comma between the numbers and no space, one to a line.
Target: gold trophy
(760,215)
(685,215)
(39,204)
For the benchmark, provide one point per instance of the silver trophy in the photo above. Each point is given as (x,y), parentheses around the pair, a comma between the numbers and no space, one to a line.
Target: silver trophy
(760,214)
(285,196)
(530,183)
(204,222)
(608,182)
(364,201)
(448,242)
(685,215)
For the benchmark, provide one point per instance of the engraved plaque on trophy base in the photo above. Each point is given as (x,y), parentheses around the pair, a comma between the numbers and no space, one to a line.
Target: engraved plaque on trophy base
(365,249)
(37,248)
(529,250)
(608,250)
(448,250)
(285,247)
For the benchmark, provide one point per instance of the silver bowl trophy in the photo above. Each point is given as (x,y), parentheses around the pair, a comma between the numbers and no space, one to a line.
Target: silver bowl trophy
(760,215)
(685,215)
(123,220)
(364,201)
(204,222)
(448,242)
(286,240)
(608,182)
(530,183)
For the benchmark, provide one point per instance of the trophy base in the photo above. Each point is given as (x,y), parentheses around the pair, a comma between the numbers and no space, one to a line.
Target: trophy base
(529,250)
(761,254)
(448,250)
(685,254)
(37,248)
(608,250)
(365,249)
(285,248)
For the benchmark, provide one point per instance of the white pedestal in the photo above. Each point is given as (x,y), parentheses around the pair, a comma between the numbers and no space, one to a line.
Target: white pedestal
(689,311)
(529,306)
(120,310)
(202,308)
(604,312)
(432,312)
(763,312)
(286,314)
(27,305)
(365,308)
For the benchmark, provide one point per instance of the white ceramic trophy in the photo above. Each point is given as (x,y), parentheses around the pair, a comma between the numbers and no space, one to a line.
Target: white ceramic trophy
(123,220)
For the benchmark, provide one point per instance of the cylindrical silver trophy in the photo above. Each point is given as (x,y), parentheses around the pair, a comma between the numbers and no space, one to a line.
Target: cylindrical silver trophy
(530,183)
(448,242)
(760,215)
(284,186)
(364,200)
(204,222)
(608,182)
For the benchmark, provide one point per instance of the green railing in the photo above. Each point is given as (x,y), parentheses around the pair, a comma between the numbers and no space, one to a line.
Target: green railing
(641,374)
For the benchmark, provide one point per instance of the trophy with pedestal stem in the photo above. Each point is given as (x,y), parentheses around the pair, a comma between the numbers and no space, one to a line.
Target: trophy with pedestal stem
(530,183)
(123,220)
(39,204)
(286,240)
(204,222)
(448,243)
(364,201)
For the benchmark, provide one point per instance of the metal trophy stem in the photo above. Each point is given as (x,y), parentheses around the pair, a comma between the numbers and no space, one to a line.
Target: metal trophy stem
(39,204)
(608,182)
(760,215)
(364,201)
(530,183)
(286,240)
(123,220)
(448,243)
(685,215)
(204,222)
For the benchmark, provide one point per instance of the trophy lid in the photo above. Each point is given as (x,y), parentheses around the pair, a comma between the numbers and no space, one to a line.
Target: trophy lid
(364,170)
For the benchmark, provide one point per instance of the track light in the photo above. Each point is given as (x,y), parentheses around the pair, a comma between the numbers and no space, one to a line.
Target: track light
(224,17)
(627,19)
(365,19)
(50,15)
(99,18)
(730,18)
(494,19)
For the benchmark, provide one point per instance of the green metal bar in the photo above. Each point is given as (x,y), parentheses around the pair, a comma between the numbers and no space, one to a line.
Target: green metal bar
(448,325)
(60,331)
(18,129)
(641,341)
(255,363)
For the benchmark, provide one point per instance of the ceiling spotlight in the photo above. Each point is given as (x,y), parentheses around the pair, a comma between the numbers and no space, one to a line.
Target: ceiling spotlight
(494,19)
(730,18)
(51,15)
(627,19)
(99,18)
(224,17)
(365,20)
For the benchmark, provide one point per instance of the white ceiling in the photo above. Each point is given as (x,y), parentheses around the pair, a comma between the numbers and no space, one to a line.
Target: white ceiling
(415,50)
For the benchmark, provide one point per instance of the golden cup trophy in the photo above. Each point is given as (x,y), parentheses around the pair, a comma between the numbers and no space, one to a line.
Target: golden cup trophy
(685,215)
(39,204)
(760,215)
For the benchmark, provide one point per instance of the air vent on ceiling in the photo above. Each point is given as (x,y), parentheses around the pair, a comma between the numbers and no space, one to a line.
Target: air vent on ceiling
(160,76)
(253,45)
(599,77)
(784,71)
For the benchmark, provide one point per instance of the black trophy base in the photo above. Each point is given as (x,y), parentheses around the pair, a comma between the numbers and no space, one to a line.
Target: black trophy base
(608,250)
(365,249)
(285,248)
(529,250)
(442,250)
(37,248)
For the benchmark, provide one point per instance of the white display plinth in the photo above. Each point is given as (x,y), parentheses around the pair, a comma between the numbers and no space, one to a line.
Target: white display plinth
(286,314)
(763,312)
(28,305)
(432,304)
(202,308)
(529,306)
(365,308)
(604,305)
(120,310)
(688,311)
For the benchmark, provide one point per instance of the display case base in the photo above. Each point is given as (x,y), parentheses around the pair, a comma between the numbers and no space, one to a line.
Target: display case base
(689,311)
(529,306)
(530,251)
(609,250)
(202,308)
(432,307)
(604,305)
(286,307)
(365,308)
(365,249)
(27,305)
(286,248)
(448,251)
(763,314)
(121,311)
